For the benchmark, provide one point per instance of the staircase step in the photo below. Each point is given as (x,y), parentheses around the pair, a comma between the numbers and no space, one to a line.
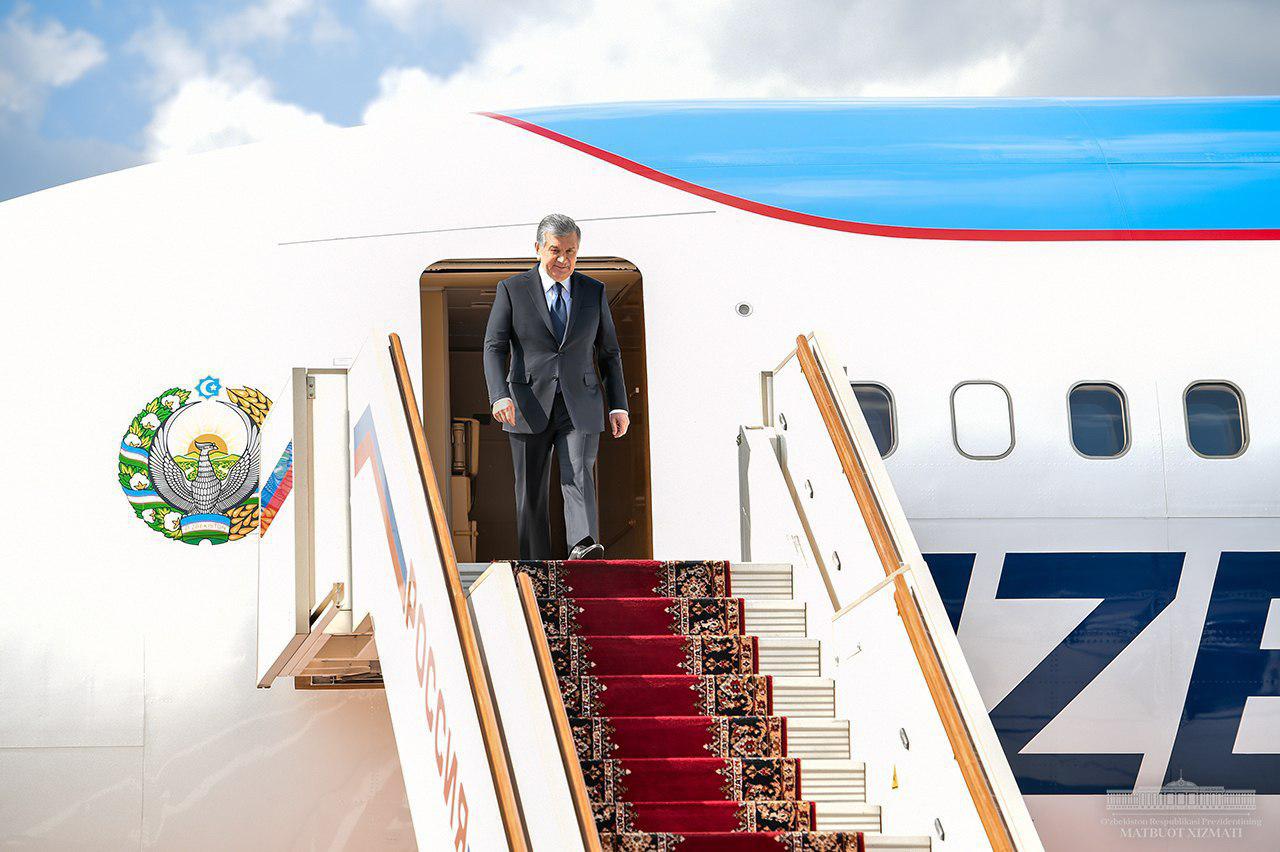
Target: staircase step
(834,780)
(659,655)
(663,777)
(790,657)
(670,695)
(469,572)
(685,616)
(736,841)
(804,697)
(648,616)
(757,580)
(761,580)
(680,736)
(776,618)
(716,815)
(890,843)
(693,779)
(848,816)
(818,739)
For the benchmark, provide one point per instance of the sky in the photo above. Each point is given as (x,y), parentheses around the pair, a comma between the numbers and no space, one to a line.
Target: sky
(98,85)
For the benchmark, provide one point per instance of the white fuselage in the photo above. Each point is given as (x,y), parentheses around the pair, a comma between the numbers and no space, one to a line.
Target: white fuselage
(130,714)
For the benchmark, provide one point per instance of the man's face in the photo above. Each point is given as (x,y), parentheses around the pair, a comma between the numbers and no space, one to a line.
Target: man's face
(558,255)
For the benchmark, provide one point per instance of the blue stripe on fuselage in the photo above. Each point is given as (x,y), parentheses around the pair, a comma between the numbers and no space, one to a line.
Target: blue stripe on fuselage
(987,164)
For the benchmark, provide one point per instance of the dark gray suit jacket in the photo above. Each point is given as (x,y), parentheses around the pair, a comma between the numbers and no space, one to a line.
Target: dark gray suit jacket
(520,329)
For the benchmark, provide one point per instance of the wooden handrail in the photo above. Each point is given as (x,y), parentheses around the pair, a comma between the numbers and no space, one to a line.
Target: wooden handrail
(559,716)
(499,765)
(944,699)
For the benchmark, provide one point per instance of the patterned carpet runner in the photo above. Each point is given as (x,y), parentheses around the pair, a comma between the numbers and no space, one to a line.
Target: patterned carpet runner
(673,723)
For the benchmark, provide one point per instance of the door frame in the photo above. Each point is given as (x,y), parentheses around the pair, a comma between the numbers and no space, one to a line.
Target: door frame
(469,273)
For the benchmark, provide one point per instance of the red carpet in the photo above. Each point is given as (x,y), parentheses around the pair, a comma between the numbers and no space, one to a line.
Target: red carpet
(713,815)
(693,779)
(672,722)
(642,616)
(668,695)
(679,736)
(576,656)
(759,841)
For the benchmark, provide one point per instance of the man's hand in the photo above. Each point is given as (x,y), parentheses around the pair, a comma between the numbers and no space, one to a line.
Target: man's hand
(504,411)
(619,421)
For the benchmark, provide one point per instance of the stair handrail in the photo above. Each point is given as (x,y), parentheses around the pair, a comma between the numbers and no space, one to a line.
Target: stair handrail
(499,764)
(559,715)
(816,369)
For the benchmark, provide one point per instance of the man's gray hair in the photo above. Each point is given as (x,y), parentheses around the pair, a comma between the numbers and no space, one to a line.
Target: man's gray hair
(556,225)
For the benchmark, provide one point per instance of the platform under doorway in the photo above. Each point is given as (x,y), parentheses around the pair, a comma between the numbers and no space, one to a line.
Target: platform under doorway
(456,298)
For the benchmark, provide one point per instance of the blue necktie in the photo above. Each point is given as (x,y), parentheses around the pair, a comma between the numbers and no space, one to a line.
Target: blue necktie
(559,317)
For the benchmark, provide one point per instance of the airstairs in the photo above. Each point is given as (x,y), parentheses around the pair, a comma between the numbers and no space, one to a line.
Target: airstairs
(815,699)
(830,787)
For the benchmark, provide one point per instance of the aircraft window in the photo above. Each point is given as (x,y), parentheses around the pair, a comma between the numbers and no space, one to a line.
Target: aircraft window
(982,420)
(877,407)
(1099,420)
(1216,425)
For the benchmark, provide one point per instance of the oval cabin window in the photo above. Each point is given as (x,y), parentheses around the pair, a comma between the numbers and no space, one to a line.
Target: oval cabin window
(982,420)
(1099,420)
(1216,426)
(877,407)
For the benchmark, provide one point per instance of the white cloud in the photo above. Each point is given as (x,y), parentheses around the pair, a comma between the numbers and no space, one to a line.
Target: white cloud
(1008,47)
(211,112)
(573,51)
(868,47)
(327,29)
(1152,48)
(270,20)
(487,18)
(207,103)
(610,52)
(171,55)
(984,76)
(657,49)
(402,13)
(35,58)
(675,49)
(280,20)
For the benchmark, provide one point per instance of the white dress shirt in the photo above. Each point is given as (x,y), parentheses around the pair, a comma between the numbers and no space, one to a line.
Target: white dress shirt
(548,290)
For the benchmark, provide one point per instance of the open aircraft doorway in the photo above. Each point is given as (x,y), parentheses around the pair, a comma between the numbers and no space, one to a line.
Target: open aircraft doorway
(473,455)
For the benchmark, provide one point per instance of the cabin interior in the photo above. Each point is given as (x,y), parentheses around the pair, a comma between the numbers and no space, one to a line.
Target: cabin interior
(472,454)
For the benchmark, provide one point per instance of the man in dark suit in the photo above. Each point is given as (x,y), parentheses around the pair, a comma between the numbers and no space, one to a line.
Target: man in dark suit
(548,330)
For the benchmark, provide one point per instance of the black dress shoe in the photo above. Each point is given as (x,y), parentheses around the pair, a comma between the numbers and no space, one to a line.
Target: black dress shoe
(587,550)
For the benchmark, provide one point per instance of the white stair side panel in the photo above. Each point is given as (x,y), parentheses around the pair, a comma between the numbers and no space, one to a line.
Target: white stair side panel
(398,578)
(891,843)
(765,617)
(813,697)
(818,739)
(544,787)
(833,780)
(766,580)
(790,657)
(848,816)
(470,572)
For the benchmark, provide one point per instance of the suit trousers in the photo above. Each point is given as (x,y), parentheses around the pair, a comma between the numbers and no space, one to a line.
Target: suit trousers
(575,452)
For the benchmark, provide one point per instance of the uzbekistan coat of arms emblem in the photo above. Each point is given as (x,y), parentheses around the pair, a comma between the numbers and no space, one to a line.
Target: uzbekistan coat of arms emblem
(189,461)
